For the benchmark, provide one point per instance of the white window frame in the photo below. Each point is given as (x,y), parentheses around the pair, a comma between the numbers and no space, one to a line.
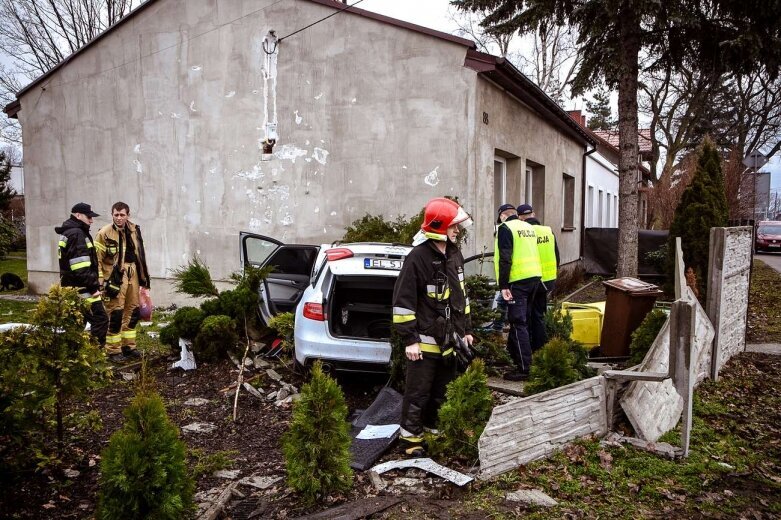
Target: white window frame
(503,162)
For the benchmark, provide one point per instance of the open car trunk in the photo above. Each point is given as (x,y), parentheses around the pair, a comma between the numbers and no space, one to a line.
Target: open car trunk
(361,307)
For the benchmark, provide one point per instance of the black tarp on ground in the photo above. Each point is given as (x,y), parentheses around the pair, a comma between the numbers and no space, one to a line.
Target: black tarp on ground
(386,409)
(600,251)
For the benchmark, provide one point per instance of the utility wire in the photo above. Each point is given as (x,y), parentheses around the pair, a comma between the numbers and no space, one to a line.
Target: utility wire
(158,51)
(320,20)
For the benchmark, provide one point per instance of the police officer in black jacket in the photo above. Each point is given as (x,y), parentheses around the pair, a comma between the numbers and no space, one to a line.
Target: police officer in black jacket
(79,266)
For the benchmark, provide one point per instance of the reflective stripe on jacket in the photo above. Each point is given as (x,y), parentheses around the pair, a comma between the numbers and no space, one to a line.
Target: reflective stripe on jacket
(76,255)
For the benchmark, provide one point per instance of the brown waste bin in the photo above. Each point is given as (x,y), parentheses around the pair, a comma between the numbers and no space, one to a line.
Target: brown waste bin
(628,302)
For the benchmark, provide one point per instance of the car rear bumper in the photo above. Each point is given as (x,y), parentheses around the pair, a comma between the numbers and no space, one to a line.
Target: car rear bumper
(313,341)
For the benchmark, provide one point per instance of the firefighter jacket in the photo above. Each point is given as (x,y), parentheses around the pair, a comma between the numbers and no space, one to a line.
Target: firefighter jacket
(77,257)
(110,240)
(430,288)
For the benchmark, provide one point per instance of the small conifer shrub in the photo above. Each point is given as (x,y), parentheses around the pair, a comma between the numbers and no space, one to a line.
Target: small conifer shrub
(463,416)
(170,336)
(187,321)
(317,445)
(143,469)
(215,338)
(645,335)
(558,324)
(283,324)
(552,366)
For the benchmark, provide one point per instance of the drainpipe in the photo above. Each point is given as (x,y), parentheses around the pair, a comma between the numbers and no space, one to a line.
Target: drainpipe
(584,190)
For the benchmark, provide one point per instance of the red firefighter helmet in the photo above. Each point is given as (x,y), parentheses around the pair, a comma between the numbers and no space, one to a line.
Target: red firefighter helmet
(440,214)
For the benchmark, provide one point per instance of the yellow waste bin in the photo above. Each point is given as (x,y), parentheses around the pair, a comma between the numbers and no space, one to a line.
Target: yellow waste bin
(586,321)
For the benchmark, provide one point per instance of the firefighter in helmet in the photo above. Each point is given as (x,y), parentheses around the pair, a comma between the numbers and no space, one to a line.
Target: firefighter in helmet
(430,315)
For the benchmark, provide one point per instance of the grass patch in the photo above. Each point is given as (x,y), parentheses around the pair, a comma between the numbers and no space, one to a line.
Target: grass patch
(12,311)
(764,317)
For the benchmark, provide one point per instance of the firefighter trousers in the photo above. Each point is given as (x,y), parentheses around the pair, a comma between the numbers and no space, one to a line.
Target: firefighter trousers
(424,391)
(123,314)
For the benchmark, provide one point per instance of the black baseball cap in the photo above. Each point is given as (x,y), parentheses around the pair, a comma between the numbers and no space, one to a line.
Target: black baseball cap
(86,209)
(502,209)
(525,209)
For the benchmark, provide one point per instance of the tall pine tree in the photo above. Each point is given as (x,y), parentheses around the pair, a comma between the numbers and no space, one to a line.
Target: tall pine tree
(600,114)
(703,206)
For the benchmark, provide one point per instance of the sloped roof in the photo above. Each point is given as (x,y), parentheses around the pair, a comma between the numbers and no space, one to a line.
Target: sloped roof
(643,139)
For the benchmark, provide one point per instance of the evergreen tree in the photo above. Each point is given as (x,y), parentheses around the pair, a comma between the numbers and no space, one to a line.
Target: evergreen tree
(552,366)
(6,191)
(143,468)
(703,206)
(463,416)
(317,445)
(600,114)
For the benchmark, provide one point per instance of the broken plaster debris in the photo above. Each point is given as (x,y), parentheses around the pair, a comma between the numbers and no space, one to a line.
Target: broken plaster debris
(273,374)
(254,391)
(531,496)
(128,376)
(196,401)
(428,465)
(260,482)
(383,431)
(199,427)
(230,474)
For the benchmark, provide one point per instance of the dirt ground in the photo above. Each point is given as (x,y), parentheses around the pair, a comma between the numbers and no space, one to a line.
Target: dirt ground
(255,440)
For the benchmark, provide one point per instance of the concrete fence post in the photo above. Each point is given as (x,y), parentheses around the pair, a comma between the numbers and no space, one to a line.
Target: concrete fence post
(682,329)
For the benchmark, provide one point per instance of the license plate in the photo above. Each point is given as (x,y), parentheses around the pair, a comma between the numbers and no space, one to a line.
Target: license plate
(382,263)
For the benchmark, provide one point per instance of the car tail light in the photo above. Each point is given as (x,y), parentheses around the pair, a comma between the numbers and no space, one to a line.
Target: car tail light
(314,311)
(338,253)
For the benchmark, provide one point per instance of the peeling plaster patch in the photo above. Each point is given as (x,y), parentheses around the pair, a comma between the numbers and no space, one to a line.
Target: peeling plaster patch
(351,181)
(255,223)
(298,118)
(213,170)
(253,174)
(230,94)
(159,113)
(255,91)
(184,189)
(333,213)
(307,142)
(196,67)
(205,232)
(192,106)
(403,166)
(308,159)
(321,141)
(353,100)
(290,152)
(174,115)
(432,179)
(281,192)
(286,220)
(139,168)
(319,95)
(317,209)
(137,148)
(308,82)
(197,251)
(320,155)
(325,231)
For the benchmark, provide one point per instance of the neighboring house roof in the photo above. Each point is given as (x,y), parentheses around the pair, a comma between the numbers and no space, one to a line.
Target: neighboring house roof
(643,140)
(492,67)
(609,139)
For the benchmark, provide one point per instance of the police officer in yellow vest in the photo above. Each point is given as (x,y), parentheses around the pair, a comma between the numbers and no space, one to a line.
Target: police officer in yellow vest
(518,273)
(549,262)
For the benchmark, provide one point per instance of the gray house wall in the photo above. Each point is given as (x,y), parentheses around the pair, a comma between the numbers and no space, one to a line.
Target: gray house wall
(166,113)
(523,136)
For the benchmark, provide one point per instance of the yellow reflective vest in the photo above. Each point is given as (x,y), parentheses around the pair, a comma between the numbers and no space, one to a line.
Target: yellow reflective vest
(526,258)
(546,246)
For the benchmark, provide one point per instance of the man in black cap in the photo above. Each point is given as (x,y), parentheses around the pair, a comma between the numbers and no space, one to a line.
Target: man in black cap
(79,266)
(549,264)
(517,270)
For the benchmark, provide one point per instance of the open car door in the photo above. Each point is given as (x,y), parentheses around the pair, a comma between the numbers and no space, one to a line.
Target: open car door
(282,289)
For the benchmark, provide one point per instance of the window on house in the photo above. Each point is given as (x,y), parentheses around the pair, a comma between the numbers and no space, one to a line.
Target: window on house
(608,215)
(500,181)
(535,188)
(600,211)
(590,207)
(568,201)
(615,205)
(527,190)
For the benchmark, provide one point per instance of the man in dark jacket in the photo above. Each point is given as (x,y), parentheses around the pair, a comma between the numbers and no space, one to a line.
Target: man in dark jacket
(79,266)
(549,263)
(431,314)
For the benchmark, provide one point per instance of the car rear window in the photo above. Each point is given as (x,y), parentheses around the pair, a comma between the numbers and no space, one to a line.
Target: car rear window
(769,230)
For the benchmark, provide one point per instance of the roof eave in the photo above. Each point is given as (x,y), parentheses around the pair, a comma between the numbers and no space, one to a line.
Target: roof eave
(504,74)
(12,109)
